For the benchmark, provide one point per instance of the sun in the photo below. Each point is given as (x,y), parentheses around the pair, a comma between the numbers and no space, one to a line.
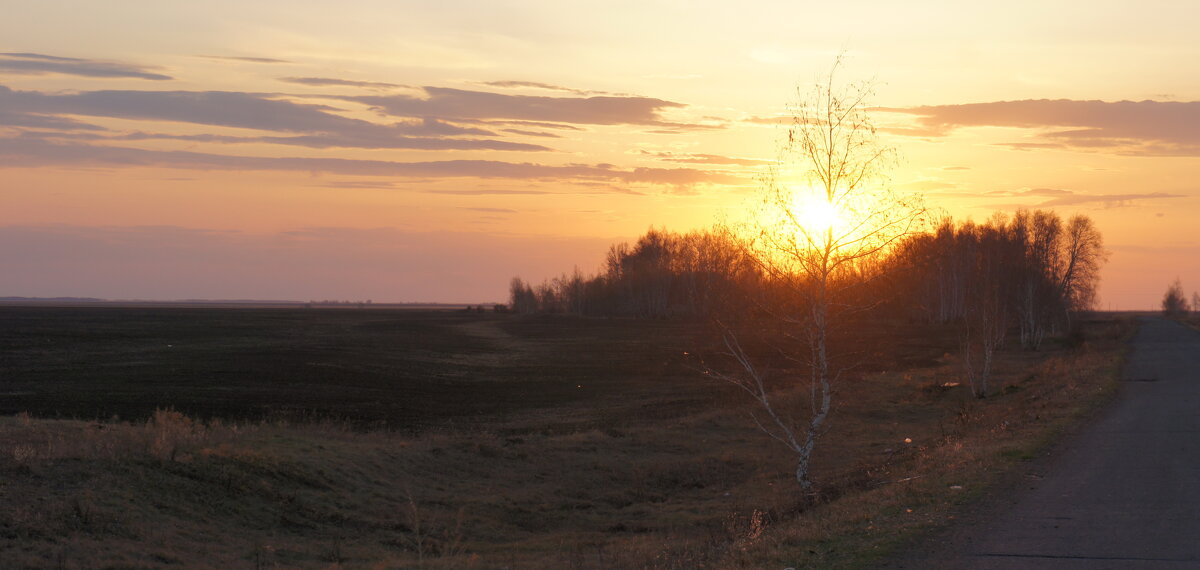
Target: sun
(815,214)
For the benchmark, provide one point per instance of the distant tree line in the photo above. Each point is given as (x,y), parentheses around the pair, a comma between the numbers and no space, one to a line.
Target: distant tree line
(662,274)
(1030,271)
(336,303)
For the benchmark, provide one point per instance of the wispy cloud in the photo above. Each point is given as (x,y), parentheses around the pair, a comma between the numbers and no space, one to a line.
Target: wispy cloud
(220,108)
(359,184)
(535,85)
(320,141)
(772,120)
(536,124)
(490,210)
(1140,128)
(528,133)
(245,59)
(34,152)
(486,192)
(1024,146)
(698,158)
(332,82)
(1059,197)
(314,126)
(40,64)
(1107,200)
(49,132)
(452,103)
(11,118)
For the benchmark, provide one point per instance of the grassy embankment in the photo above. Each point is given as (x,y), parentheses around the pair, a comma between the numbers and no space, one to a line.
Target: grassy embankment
(608,452)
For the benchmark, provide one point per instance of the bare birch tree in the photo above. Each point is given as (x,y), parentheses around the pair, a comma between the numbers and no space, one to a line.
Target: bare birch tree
(987,290)
(826,216)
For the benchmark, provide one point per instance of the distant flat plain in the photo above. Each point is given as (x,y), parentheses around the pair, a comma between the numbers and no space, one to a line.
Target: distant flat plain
(404,369)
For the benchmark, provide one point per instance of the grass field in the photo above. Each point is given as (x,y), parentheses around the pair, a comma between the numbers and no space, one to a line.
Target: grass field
(375,438)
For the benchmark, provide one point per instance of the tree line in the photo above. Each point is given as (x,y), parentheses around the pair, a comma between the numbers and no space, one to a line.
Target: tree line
(662,274)
(1030,271)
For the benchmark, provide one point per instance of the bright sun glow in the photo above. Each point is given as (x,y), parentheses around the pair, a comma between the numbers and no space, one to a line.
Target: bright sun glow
(816,214)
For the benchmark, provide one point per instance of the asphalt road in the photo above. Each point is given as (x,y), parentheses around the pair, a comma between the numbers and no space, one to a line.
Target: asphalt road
(1125,493)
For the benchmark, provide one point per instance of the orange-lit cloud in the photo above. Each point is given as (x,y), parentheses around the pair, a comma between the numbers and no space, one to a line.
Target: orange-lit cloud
(332,82)
(1058,197)
(1140,128)
(537,124)
(323,127)
(508,84)
(36,152)
(452,103)
(245,59)
(529,133)
(390,140)
(218,108)
(40,64)
(14,118)
(698,158)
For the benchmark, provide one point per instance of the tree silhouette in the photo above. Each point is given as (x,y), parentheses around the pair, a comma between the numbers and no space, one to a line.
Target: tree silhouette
(1174,303)
(826,218)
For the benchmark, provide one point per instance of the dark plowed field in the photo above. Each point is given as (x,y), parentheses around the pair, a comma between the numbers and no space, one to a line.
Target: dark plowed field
(403,369)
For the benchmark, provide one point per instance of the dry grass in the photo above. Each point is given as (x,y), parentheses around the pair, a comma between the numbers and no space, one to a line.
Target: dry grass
(702,489)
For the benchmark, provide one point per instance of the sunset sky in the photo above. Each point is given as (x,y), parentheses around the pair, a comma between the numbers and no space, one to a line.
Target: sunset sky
(429,151)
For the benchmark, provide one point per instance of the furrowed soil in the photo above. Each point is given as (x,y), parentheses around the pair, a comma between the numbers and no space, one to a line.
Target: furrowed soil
(152,437)
(402,370)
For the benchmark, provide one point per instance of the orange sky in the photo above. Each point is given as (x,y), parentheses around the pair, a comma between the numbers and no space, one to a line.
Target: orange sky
(406,152)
